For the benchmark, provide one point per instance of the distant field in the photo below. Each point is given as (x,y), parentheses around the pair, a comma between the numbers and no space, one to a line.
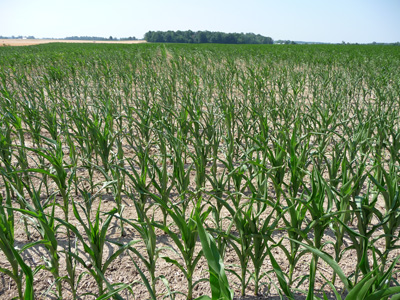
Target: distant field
(20,42)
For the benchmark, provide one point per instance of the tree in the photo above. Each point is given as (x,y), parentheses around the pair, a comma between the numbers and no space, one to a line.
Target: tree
(201,37)
(205,37)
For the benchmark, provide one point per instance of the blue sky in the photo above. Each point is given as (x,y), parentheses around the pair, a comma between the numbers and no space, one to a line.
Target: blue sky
(335,21)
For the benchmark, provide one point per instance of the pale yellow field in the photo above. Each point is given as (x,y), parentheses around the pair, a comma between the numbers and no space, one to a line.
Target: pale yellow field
(26,42)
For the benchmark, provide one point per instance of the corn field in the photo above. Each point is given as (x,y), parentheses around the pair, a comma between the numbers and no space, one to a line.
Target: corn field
(158,171)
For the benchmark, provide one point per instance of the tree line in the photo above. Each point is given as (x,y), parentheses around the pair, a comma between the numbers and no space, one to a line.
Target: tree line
(31,37)
(189,36)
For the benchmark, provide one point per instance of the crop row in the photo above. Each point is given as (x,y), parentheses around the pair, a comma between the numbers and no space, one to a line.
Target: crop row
(259,151)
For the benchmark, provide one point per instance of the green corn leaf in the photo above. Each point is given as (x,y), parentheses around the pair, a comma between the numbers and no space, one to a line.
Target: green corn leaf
(360,290)
(383,294)
(29,276)
(114,292)
(218,281)
(281,277)
(328,259)
(145,281)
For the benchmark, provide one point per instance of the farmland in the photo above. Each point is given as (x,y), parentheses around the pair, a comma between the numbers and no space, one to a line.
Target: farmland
(157,171)
(31,42)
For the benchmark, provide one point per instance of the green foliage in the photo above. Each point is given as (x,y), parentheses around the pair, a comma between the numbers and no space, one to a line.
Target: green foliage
(218,280)
(203,37)
(255,151)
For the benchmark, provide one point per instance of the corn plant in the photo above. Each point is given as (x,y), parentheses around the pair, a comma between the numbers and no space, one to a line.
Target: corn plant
(145,227)
(390,220)
(94,241)
(218,280)
(161,178)
(241,216)
(103,138)
(7,244)
(45,225)
(58,172)
(185,240)
(22,158)
(319,203)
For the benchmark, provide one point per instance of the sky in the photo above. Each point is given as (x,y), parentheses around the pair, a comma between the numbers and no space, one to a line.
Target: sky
(334,21)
